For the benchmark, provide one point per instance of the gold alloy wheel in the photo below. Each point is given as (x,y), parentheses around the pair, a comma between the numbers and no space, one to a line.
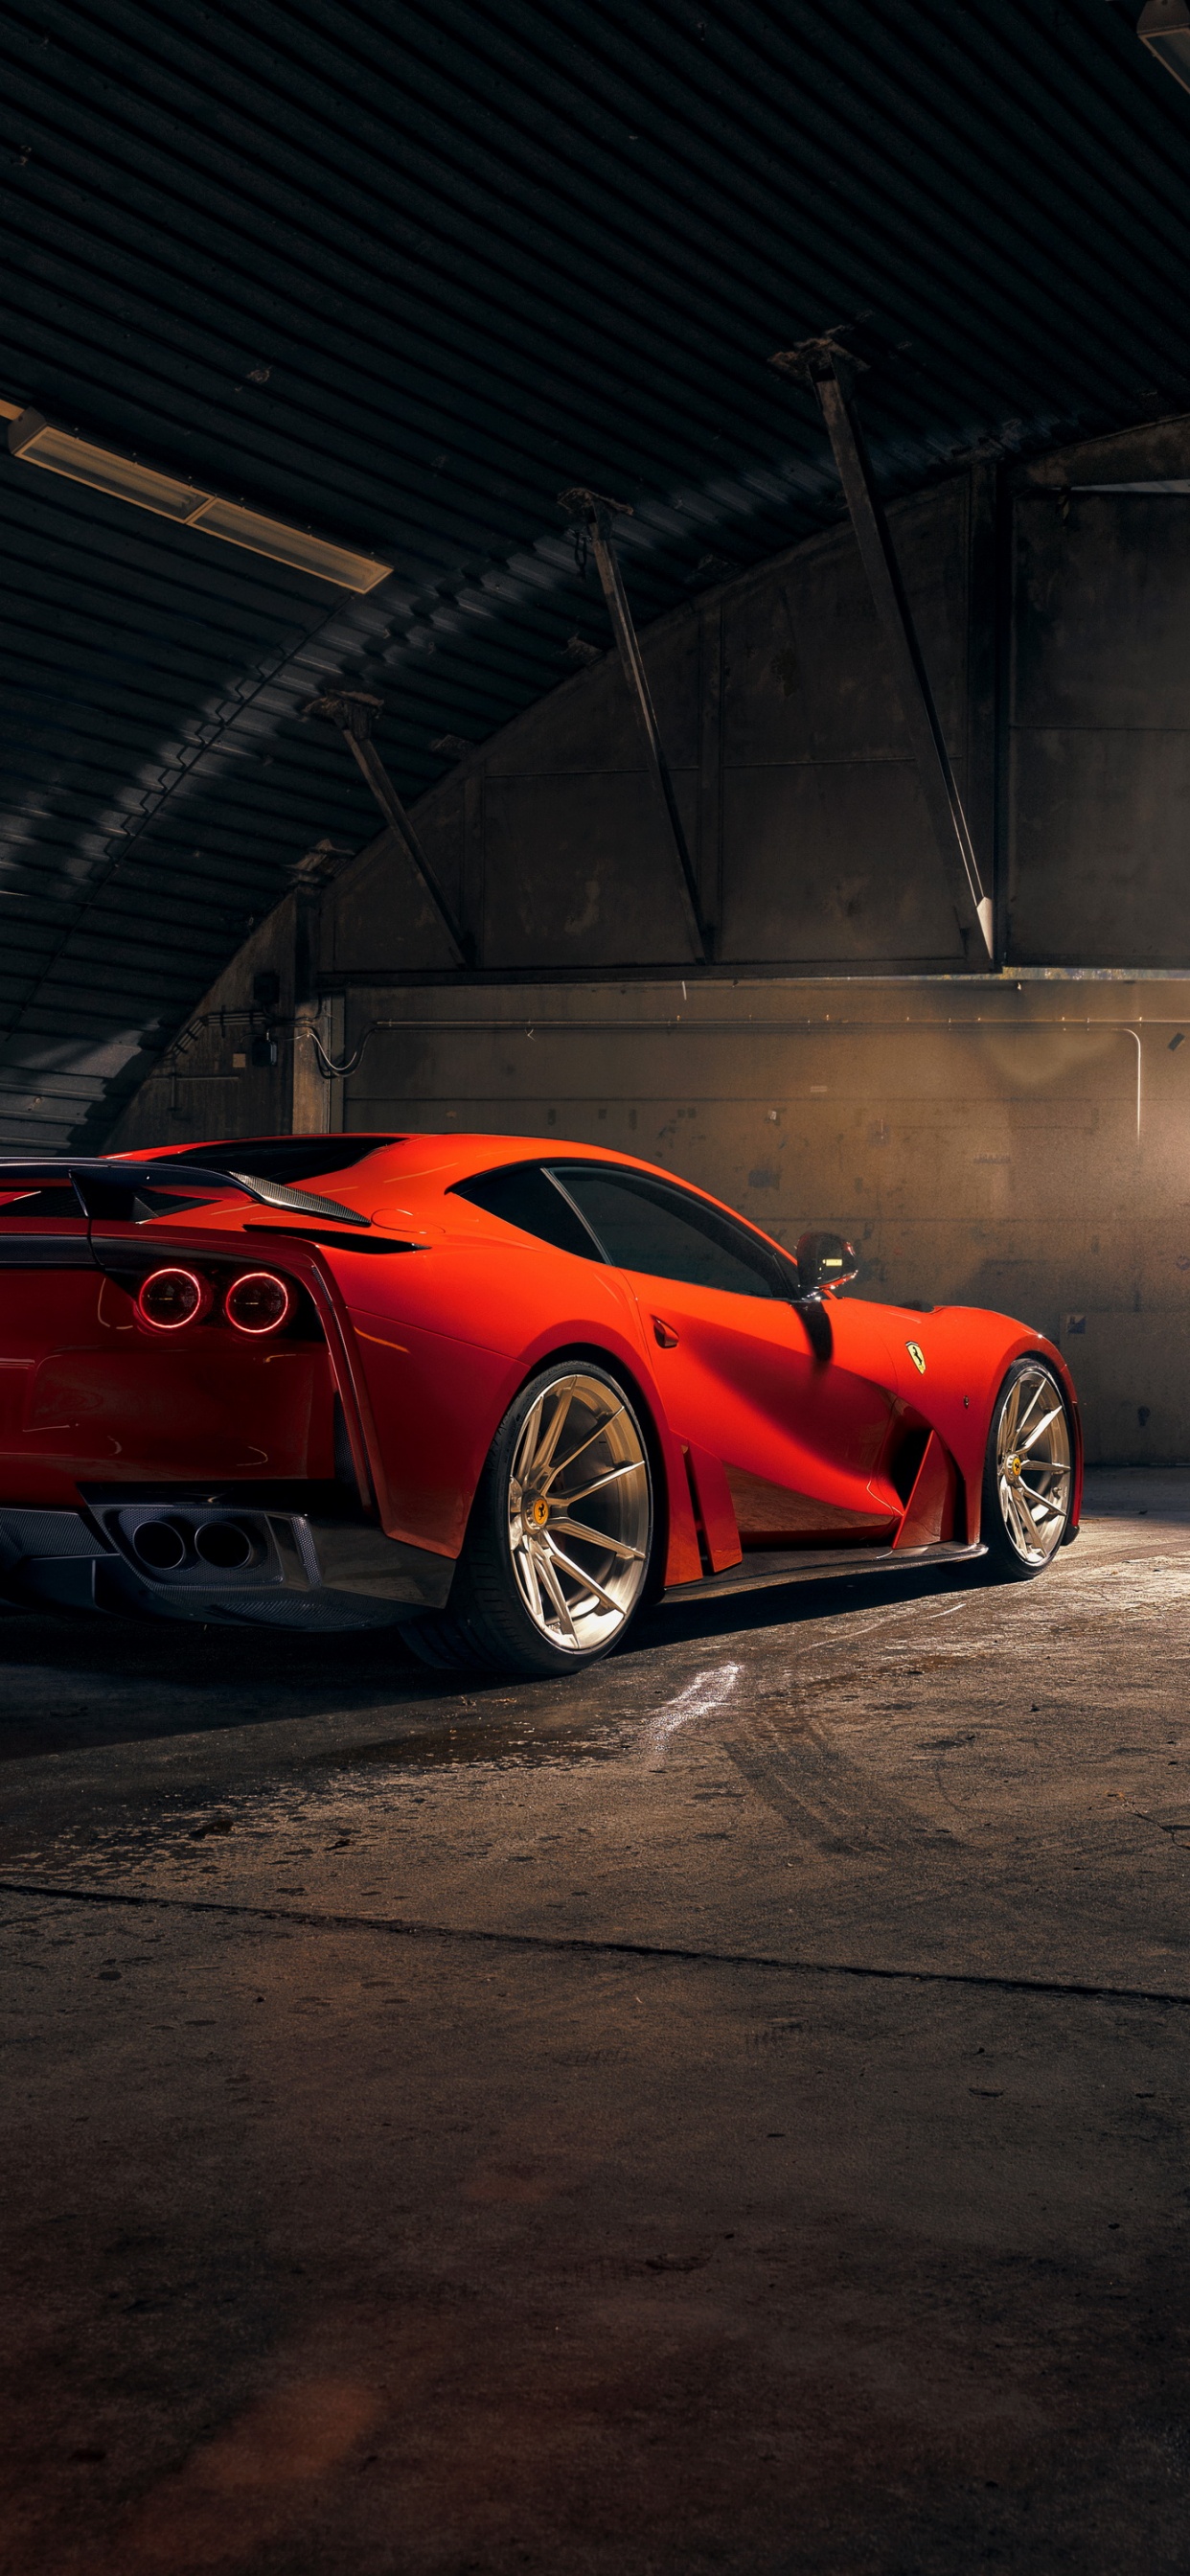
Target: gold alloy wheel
(580,1511)
(1033,1465)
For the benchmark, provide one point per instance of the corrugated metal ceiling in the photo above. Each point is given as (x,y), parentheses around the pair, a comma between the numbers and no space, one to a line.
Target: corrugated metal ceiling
(401,273)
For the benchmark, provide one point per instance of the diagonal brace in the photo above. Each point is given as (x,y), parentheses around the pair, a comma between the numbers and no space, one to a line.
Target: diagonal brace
(830,370)
(353,712)
(597,513)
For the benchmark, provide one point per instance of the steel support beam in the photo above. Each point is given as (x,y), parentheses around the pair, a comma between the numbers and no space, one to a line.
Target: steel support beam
(309,1093)
(596,514)
(353,712)
(831,371)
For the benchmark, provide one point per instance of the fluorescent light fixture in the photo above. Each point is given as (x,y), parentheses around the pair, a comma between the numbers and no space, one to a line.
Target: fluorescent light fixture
(1164,26)
(37,442)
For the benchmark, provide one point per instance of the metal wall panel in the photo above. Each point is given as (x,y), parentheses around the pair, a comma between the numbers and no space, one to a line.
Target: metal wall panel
(1099,782)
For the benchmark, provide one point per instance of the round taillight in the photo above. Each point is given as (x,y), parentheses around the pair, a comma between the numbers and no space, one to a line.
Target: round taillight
(167,1299)
(257,1303)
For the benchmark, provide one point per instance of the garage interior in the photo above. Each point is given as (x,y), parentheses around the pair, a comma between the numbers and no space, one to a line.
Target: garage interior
(686,2118)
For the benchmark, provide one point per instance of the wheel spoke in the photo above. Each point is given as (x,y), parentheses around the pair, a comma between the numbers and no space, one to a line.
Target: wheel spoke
(1035,1434)
(596,1434)
(528,1440)
(544,1450)
(1043,1466)
(545,1569)
(1008,1505)
(578,1575)
(1022,1418)
(593,1537)
(1008,1421)
(1049,1501)
(635,1467)
(528,1572)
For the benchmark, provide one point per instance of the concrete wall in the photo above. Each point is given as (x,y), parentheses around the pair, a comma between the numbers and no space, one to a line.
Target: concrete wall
(977,1134)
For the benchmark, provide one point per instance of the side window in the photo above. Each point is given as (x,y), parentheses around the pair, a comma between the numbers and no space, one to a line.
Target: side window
(644,1225)
(524,1196)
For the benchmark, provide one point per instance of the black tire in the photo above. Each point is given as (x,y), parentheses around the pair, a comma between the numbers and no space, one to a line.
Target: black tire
(487,1623)
(1002,1524)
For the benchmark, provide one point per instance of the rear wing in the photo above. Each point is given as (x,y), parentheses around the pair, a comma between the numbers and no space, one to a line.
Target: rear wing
(106,1188)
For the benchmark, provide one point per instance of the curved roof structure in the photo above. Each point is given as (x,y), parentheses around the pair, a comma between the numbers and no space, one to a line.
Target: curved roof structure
(399,272)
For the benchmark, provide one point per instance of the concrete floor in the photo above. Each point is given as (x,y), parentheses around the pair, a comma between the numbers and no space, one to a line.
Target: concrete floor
(725,2114)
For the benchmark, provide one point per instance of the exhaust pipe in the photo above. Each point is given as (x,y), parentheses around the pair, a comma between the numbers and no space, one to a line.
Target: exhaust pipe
(161,1545)
(226,1544)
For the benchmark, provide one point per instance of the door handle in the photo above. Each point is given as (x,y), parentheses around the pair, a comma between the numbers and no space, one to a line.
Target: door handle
(665,1334)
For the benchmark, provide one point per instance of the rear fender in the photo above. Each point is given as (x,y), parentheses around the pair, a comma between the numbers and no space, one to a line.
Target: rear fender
(677,1532)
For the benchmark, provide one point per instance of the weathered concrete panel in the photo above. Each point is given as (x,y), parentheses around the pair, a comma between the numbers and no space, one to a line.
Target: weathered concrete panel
(1102,609)
(825,861)
(581,870)
(806,671)
(1098,863)
(380,910)
(590,723)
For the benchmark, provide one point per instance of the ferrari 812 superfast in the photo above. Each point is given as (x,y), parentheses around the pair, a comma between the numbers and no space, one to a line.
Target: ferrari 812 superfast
(498,1391)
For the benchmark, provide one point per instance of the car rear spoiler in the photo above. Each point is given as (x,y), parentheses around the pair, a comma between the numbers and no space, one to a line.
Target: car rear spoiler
(105,1187)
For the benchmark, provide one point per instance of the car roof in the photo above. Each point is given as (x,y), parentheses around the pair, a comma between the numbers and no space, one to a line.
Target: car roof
(301,1158)
(445,1156)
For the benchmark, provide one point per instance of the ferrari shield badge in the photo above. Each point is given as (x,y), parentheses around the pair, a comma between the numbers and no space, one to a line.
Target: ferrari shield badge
(918,1357)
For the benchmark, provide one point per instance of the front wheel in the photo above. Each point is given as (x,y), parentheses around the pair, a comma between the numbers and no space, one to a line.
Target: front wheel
(559,1545)
(1028,1476)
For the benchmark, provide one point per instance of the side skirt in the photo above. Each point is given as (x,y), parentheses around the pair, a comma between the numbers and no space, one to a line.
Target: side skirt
(817,1565)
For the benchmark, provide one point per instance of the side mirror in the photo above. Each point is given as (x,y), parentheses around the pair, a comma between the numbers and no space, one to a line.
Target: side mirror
(824,1261)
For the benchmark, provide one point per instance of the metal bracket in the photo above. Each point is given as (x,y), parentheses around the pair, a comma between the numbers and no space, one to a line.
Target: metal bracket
(353,712)
(596,513)
(831,371)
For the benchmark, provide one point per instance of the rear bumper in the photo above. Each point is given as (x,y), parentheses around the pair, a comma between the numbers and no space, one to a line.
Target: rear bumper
(288,1556)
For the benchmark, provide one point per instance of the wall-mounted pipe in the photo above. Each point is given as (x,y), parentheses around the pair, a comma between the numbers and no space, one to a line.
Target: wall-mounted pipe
(669,1026)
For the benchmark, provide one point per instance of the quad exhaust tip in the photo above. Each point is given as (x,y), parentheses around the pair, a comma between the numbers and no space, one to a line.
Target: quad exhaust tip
(226,1544)
(163,1546)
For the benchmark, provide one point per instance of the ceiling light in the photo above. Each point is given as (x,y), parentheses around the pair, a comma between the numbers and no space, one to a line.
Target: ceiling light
(1164,26)
(37,442)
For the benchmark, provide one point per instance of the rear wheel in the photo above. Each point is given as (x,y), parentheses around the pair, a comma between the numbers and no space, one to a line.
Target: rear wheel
(1028,1477)
(560,1541)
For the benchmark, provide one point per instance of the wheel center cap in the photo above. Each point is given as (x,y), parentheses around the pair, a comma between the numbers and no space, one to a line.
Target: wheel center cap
(539,1512)
(1014,1469)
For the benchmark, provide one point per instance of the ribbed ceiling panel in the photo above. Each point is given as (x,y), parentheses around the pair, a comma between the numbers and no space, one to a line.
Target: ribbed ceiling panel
(401,273)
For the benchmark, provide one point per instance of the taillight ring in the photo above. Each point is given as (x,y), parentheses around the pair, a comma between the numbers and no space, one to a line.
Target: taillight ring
(258,1302)
(171,1298)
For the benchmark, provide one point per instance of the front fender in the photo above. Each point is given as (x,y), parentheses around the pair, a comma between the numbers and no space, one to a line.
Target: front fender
(968,1351)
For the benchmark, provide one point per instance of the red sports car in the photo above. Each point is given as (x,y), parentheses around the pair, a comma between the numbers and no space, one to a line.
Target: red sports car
(498,1390)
